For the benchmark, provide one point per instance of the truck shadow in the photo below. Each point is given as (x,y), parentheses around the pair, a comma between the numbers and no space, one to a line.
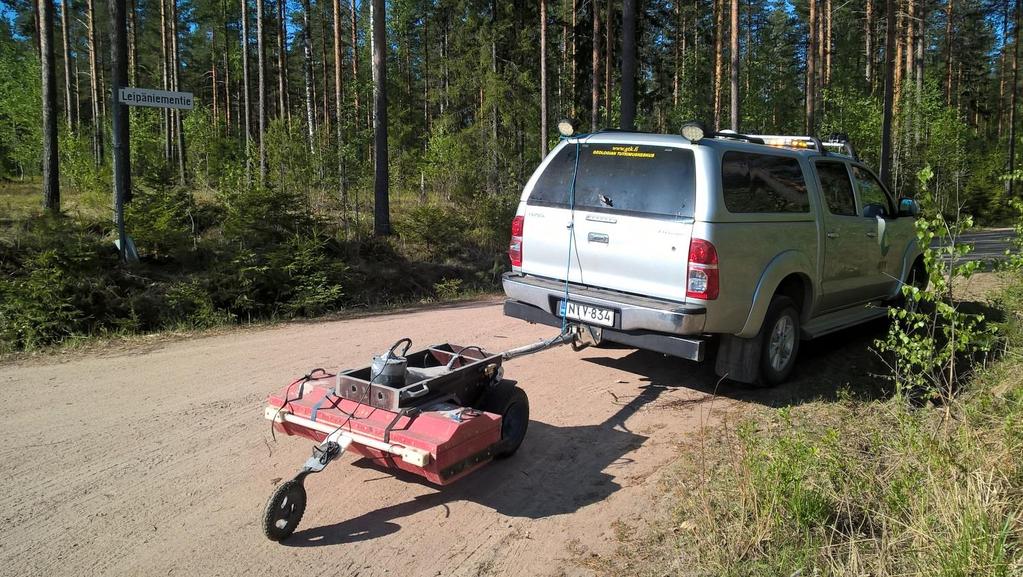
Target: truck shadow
(558,470)
(843,363)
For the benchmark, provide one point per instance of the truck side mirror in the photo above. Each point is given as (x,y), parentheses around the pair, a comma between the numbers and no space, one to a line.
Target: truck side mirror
(908,207)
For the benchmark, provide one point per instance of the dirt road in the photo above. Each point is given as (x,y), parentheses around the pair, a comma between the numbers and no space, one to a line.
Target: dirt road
(158,462)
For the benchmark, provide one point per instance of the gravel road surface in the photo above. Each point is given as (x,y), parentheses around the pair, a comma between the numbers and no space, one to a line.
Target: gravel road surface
(155,459)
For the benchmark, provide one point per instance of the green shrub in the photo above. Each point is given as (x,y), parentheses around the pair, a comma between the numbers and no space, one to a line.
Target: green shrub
(932,343)
(37,308)
(436,230)
(162,221)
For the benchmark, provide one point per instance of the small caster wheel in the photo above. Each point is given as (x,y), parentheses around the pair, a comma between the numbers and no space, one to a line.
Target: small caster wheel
(284,510)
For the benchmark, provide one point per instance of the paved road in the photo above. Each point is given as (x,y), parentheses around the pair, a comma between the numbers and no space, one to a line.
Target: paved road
(989,244)
(156,460)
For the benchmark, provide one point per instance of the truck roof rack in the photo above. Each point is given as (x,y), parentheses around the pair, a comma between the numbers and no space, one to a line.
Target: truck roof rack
(836,143)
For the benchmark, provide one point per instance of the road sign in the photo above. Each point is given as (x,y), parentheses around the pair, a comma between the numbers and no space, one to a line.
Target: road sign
(155,98)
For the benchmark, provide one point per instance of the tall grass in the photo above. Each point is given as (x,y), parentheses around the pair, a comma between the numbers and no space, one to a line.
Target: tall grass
(880,488)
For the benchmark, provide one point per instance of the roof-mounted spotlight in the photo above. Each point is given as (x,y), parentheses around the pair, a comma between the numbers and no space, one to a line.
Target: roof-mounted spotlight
(567,126)
(694,131)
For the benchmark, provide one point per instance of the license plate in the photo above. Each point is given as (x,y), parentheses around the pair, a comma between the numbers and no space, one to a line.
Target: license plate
(586,313)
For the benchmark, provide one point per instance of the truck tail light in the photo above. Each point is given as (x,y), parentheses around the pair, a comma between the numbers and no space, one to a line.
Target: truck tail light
(515,246)
(702,282)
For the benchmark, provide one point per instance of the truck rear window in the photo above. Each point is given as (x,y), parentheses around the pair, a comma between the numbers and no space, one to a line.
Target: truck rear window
(762,183)
(654,180)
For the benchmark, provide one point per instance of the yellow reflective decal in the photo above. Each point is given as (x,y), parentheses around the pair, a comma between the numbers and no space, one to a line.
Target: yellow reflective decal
(625,151)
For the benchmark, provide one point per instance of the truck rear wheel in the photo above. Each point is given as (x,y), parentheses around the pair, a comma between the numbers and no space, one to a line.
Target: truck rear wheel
(780,341)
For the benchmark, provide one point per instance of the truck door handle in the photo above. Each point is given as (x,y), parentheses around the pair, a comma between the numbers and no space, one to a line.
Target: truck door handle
(832,235)
(872,234)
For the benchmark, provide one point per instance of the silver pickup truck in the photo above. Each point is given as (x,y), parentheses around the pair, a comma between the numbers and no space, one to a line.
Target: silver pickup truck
(673,243)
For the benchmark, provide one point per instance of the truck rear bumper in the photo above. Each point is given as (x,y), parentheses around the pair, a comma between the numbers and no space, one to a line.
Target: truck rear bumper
(632,312)
(663,326)
(686,348)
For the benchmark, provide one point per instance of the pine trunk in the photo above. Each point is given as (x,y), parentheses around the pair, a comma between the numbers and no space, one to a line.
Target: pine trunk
(1001,69)
(676,41)
(283,100)
(629,65)
(889,95)
(426,75)
(910,23)
(575,56)
(595,84)
(564,61)
(213,78)
(1013,93)
(543,78)
(307,72)
(734,72)
(229,117)
(949,28)
(165,81)
(133,45)
(246,104)
(51,158)
(444,65)
(355,64)
(94,88)
(339,105)
(827,43)
(325,94)
(918,63)
(70,112)
(261,89)
(811,73)
(899,55)
(381,210)
(175,66)
(120,149)
(719,9)
(868,33)
(608,58)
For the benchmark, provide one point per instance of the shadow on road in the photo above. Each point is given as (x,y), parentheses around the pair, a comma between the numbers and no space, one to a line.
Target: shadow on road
(842,361)
(557,471)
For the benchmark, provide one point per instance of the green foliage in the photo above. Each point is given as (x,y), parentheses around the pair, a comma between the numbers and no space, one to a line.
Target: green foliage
(21,134)
(162,222)
(448,289)
(80,172)
(37,307)
(857,115)
(438,230)
(932,341)
(53,283)
(190,304)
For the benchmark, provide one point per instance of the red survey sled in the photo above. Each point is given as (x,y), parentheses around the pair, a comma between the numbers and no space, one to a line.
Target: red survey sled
(440,413)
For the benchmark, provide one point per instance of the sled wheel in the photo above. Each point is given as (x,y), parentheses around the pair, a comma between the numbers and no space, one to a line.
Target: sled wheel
(284,510)
(512,404)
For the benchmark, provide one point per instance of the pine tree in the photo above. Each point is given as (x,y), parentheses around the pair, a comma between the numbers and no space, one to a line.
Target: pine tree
(51,168)
(381,209)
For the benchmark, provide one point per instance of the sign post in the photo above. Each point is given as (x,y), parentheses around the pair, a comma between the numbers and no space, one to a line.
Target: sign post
(127,96)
